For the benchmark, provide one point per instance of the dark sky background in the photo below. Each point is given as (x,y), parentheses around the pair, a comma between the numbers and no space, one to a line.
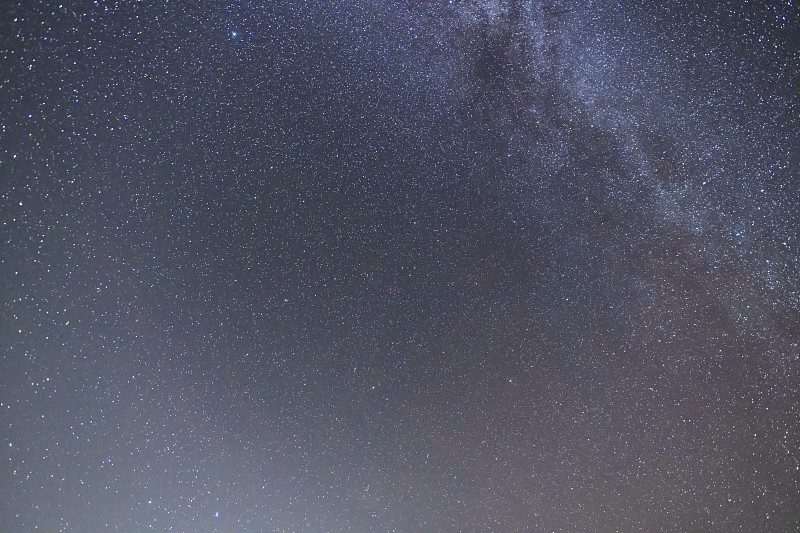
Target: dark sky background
(400,266)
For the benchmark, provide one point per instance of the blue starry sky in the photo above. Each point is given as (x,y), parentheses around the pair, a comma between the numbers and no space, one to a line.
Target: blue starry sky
(409,265)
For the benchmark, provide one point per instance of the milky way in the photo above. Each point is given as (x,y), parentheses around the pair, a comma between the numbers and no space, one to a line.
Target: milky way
(400,266)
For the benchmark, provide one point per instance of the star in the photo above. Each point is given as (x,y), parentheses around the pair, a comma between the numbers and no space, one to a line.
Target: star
(329,241)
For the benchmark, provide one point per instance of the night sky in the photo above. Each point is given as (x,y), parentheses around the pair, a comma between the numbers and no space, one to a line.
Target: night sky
(399,265)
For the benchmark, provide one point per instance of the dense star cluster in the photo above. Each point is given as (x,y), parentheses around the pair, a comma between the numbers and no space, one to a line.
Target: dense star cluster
(407,265)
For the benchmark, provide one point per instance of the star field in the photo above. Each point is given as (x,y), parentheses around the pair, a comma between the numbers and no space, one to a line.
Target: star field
(476,265)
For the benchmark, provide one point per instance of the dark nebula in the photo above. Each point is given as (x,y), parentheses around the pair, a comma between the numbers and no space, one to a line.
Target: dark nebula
(400,266)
